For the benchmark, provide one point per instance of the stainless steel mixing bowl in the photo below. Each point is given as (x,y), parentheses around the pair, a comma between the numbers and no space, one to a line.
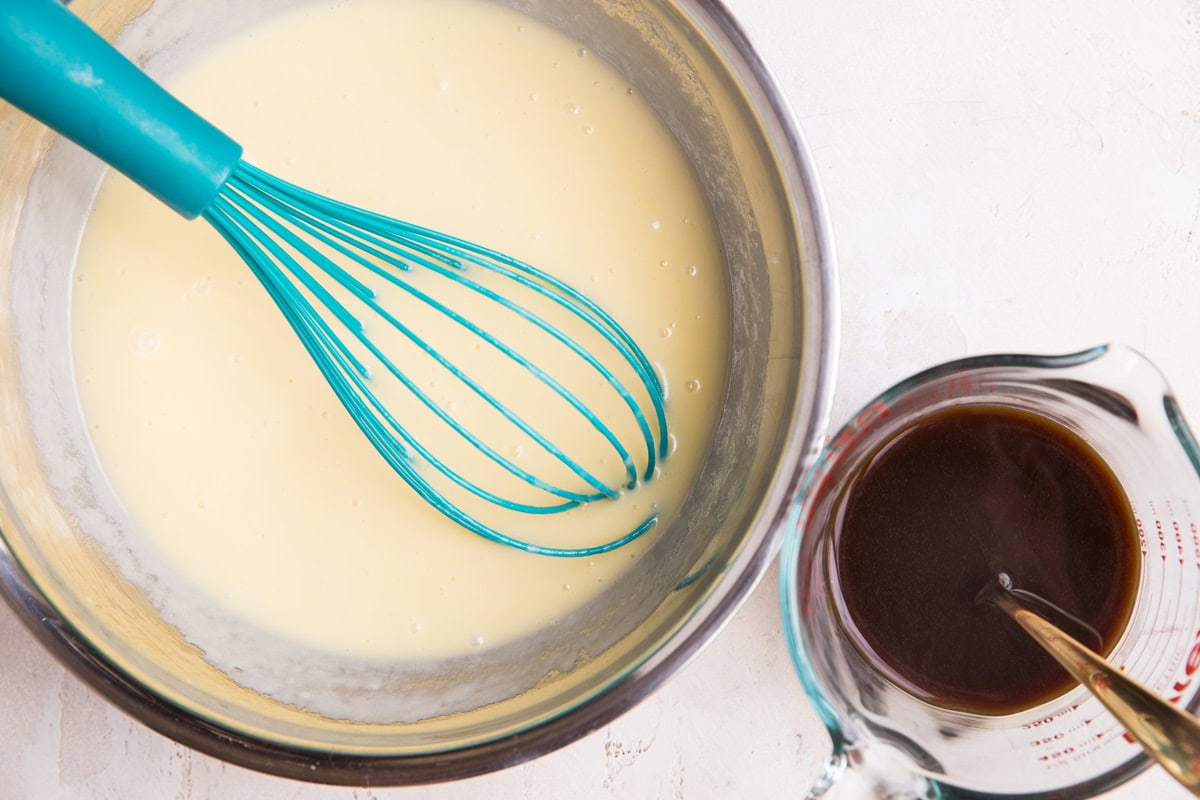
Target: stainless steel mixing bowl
(61,538)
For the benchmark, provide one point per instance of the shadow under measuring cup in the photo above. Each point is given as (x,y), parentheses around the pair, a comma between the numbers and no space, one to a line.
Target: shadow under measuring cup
(890,743)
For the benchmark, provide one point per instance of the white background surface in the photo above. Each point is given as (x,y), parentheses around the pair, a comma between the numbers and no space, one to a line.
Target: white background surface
(1002,176)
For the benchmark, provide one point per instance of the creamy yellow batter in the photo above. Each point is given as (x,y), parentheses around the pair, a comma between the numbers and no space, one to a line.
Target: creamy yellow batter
(218,433)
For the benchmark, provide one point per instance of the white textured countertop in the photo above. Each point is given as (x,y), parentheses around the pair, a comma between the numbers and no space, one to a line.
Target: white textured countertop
(1001,176)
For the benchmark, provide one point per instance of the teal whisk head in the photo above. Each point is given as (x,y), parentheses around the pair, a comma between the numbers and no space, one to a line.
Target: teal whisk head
(485,383)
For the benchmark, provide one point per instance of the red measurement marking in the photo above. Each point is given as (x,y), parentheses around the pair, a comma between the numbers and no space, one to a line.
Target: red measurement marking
(1066,751)
(1078,727)
(1047,740)
(1141,532)
(962,384)
(1190,668)
(1037,723)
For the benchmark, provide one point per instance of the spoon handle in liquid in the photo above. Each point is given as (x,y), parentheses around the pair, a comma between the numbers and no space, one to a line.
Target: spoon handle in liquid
(1168,734)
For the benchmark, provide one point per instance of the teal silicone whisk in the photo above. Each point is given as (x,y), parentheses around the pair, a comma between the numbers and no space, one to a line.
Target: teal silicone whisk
(300,245)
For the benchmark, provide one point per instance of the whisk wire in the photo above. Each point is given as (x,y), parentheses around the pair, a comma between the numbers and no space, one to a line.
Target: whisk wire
(413,237)
(553,289)
(262,217)
(352,234)
(350,375)
(293,266)
(558,335)
(368,297)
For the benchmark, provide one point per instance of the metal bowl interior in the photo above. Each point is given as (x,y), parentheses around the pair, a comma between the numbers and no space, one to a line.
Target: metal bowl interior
(453,717)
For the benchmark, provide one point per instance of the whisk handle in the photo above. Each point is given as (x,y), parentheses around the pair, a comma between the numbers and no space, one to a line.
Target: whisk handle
(56,69)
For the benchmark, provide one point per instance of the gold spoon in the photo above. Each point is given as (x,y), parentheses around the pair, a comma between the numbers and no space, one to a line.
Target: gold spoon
(1166,732)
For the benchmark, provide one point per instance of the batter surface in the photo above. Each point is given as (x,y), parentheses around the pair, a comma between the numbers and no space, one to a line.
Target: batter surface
(218,433)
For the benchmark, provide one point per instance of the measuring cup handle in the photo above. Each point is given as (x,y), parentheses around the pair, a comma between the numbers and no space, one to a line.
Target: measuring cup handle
(859,772)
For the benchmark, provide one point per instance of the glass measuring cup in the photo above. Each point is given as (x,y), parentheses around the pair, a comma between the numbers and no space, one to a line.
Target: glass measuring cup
(889,744)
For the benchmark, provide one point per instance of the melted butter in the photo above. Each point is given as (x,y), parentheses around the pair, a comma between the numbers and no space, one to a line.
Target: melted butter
(231,454)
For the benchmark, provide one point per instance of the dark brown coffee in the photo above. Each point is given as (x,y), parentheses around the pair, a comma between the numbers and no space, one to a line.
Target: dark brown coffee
(943,507)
